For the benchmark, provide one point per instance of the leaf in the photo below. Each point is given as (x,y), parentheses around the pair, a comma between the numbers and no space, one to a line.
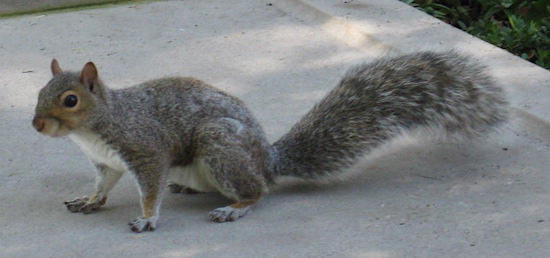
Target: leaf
(442,8)
(507,3)
(524,55)
(490,12)
(462,25)
(512,19)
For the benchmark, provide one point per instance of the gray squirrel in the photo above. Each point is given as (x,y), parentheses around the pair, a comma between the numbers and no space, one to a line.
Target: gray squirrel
(184,131)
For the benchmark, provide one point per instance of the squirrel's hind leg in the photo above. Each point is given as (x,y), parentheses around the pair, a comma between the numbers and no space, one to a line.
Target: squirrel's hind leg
(225,151)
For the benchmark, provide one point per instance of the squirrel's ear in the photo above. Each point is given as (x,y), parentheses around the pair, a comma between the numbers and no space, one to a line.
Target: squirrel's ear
(89,76)
(55,67)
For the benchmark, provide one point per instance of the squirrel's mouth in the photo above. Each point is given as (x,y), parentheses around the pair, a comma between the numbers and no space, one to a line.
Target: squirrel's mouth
(49,127)
(59,133)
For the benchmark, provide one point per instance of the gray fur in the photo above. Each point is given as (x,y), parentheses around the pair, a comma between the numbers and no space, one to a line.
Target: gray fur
(172,121)
(379,100)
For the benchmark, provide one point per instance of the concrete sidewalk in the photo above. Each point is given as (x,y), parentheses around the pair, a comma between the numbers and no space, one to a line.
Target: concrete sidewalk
(413,199)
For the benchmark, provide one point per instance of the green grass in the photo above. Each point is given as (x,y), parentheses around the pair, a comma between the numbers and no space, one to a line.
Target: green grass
(522,27)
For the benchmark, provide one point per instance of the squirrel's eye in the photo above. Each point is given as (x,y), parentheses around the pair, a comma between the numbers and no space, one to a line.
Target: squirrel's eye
(70,101)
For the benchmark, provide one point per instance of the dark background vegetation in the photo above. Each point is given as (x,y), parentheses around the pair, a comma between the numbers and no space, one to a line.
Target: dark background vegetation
(521,27)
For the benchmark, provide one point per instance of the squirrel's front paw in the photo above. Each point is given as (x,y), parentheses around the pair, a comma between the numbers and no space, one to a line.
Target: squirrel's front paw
(83,204)
(141,224)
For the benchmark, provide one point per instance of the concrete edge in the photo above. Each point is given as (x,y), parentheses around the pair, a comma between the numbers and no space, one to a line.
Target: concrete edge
(37,7)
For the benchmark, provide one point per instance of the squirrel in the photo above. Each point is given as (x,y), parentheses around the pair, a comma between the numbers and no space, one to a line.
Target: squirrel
(186,132)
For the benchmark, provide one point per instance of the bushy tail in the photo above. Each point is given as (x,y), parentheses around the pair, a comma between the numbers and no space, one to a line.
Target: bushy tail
(377,101)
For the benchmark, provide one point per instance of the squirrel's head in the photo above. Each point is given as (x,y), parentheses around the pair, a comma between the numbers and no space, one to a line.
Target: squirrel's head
(67,101)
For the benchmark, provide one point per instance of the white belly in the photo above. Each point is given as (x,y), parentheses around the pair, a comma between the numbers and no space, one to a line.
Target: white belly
(193,176)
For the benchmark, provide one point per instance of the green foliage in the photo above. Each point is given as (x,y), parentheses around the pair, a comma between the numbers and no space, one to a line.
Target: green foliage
(521,27)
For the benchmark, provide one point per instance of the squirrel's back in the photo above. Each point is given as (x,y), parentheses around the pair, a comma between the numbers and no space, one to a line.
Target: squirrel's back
(376,101)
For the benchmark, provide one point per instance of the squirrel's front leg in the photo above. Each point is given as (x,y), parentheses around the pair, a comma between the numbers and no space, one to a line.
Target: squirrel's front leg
(106,179)
(151,184)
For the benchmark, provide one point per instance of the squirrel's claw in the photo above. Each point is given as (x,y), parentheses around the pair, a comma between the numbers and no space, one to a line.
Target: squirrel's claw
(141,224)
(76,204)
(228,214)
(83,204)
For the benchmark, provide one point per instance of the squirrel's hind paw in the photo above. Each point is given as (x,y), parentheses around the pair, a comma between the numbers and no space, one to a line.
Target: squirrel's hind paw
(141,224)
(232,212)
(228,214)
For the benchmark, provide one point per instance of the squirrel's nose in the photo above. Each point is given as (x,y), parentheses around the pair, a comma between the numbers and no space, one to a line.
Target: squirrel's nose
(38,124)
